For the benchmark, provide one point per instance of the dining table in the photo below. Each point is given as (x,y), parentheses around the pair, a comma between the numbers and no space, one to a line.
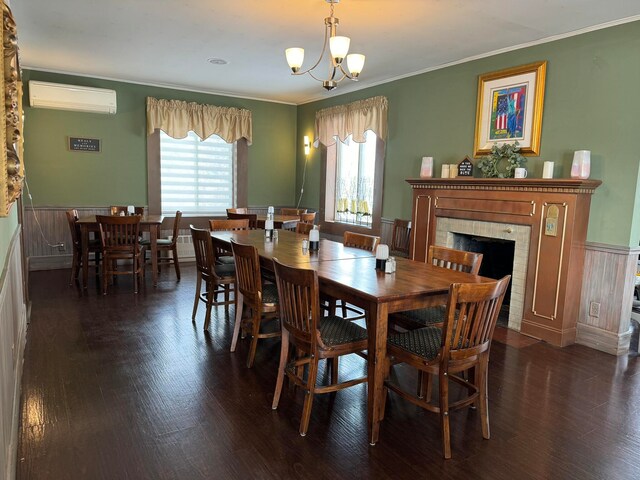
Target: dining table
(148,223)
(349,274)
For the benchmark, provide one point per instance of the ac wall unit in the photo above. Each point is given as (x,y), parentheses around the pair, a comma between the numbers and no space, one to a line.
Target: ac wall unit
(71,97)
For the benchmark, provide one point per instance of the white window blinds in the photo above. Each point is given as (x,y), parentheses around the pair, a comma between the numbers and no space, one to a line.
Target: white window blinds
(197,177)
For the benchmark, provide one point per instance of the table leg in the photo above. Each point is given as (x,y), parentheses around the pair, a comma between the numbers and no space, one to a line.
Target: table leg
(84,234)
(377,340)
(153,232)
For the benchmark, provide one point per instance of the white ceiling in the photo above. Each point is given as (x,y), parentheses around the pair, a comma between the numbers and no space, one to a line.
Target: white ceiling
(168,42)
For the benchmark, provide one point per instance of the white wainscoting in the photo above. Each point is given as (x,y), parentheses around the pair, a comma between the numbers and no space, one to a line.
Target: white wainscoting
(13,326)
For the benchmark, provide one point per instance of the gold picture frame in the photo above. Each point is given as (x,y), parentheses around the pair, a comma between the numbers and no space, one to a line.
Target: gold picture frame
(509,109)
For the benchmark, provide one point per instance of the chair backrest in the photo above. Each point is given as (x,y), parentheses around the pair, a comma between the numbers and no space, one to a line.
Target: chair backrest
(237,210)
(176,227)
(304,228)
(119,233)
(72,218)
(298,292)
(203,249)
(292,211)
(248,278)
(116,209)
(360,240)
(472,313)
(401,236)
(454,259)
(227,225)
(252,217)
(308,217)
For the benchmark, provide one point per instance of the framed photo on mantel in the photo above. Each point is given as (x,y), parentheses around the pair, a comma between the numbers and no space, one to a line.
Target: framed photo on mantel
(509,109)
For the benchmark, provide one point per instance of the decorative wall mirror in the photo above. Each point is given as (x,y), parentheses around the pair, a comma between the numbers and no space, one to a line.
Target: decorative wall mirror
(11,167)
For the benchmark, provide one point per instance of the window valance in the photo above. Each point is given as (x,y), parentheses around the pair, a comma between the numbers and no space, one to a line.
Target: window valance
(176,118)
(352,119)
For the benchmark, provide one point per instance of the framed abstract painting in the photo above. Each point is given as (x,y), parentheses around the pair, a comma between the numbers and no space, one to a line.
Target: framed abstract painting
(510,105)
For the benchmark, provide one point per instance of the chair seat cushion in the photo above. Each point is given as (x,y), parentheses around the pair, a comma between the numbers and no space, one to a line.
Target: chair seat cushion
(270,293)
(225,270)
(426,316)
(337,331)
(424,342)
(160,241)
(226,260)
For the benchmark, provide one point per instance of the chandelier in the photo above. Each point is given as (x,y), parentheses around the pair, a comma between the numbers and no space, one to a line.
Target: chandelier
(338,48)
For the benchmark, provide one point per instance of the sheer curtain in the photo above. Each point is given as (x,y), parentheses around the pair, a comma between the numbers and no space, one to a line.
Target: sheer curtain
(176,118)
(352,119)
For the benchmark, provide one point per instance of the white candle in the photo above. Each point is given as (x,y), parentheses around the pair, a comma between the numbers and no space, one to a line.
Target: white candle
(426,170)
(382,254)
(268,225)
(547,170)
(314,235)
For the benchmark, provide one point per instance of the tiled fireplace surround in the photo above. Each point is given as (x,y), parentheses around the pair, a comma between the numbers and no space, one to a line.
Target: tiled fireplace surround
(447,230)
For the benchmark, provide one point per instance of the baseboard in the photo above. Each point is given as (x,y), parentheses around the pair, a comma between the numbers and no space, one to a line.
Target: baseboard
(50,262)
(603,340)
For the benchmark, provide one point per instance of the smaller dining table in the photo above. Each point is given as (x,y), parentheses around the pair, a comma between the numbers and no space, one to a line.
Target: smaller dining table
(350,274)
(286,222)
(148,223)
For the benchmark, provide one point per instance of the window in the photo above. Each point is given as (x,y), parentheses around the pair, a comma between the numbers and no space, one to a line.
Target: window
(197,177)
(355,175)
(352,193)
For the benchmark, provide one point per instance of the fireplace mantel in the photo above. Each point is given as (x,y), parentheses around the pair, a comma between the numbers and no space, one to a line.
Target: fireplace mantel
(556,212)
(563,185)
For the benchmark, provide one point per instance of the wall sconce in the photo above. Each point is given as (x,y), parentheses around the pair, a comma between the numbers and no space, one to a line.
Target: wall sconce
(307,145)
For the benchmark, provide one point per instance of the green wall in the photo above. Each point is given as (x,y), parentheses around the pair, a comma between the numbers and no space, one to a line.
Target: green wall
(118,174)
(8,227)
(592,103)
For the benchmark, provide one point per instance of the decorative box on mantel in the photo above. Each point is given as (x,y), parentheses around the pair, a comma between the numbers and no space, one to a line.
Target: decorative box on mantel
(546,219)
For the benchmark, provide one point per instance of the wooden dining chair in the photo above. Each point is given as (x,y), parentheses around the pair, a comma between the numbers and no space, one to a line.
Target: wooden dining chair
(218,279)
(252,217)
(95,247)
(462,343)
(237,210)
(117,209)
(256,301)
(400,237)
(313,337)
(444,257)
(167,245)
(292,211)
(304,228)
(120,236)
(308,217)
(360,240)
(223,255)
(363,242)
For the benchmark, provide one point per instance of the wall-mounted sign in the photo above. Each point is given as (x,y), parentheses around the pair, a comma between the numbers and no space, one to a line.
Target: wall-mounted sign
(465,168)
(78,144)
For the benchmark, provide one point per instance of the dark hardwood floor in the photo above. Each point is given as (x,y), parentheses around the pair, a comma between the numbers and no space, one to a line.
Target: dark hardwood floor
(126,387)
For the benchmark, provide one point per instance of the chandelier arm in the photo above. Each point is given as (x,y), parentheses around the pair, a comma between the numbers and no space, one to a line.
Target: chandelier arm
(345,74)
(324,49)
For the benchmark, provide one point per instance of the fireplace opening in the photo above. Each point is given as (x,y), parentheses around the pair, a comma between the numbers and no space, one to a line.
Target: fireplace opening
(497,261)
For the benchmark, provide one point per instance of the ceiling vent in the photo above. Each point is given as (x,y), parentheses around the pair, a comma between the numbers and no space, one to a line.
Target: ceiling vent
(71,97)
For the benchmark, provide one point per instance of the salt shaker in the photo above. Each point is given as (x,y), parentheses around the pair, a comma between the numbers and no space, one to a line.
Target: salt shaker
(305,244)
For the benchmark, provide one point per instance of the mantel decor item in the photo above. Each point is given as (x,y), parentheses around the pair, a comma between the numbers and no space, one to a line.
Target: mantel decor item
(338,49)
(502,161)
(11,167)
(510,105)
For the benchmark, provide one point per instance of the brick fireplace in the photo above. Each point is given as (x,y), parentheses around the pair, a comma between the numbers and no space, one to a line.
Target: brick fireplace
(546,218)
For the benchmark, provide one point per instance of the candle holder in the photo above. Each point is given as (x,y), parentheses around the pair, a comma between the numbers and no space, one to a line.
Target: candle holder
(314,240)
(382,254)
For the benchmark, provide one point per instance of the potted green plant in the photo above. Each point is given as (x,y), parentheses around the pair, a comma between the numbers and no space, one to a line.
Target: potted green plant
(502,161)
